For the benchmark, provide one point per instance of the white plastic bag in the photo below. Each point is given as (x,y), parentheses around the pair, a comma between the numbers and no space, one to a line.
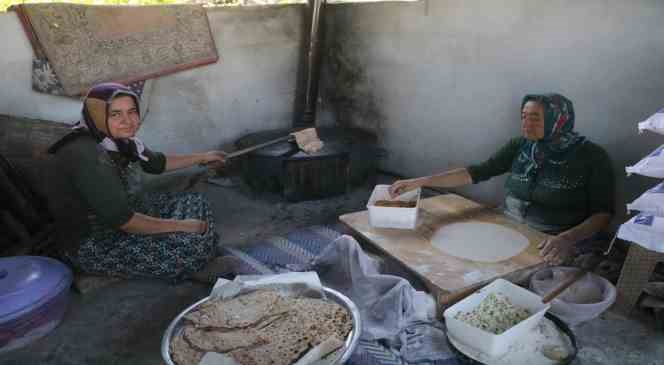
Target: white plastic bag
(646,230)
(654,124)
(651,202)
(651,165)
(584,300)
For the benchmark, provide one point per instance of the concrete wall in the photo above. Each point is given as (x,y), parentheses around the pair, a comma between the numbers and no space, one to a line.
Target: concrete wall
(251,88)
(441,80)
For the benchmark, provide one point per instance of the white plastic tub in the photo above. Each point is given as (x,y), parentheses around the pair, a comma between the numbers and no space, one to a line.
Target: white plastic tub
(584,300)
(487,342)
(393,217)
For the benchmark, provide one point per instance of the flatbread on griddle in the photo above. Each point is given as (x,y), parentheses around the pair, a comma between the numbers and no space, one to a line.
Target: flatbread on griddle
(183,353)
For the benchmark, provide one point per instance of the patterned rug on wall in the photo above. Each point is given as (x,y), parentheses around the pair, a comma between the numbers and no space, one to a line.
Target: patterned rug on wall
(77,46)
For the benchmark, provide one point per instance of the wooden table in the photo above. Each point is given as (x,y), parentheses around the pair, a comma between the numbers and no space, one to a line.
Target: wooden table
(447,276)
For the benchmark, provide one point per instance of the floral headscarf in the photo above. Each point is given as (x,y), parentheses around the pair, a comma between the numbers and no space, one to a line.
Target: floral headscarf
(94,122)
(559,138)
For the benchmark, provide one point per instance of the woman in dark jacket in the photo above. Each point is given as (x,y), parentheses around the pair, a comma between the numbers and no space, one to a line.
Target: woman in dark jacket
(559,182)
(121,232)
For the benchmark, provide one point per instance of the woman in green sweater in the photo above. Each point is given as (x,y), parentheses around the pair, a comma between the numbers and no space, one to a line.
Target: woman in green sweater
(559,182)
(104,225)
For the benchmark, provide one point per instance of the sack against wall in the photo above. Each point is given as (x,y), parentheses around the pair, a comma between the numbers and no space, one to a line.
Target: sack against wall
(655,123)
(651,202)
(651,165)
(646,230)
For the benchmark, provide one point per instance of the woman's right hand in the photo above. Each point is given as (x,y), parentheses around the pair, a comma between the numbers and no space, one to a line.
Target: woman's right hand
(401,186)
(193,226)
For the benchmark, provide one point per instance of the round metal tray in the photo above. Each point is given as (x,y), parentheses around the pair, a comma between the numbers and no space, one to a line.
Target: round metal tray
(330,294)
(564,328)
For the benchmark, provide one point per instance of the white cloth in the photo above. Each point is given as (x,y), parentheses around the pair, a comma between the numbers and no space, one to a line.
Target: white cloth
(387,303)
(393,313)
(109,145)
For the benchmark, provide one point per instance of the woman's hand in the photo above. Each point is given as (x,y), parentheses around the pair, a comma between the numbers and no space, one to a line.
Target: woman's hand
(401,186)
(556,249)
(145,224)
(215,158)
(193,226)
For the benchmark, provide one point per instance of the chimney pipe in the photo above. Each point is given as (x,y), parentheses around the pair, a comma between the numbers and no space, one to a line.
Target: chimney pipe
(312,67)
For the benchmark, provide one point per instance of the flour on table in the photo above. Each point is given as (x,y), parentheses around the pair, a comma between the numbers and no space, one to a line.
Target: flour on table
(423,269)
(476,276)
(478,241)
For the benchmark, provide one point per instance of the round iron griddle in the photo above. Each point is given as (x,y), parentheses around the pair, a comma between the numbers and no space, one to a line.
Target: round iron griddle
(336,141)
(562,326)
(348,157)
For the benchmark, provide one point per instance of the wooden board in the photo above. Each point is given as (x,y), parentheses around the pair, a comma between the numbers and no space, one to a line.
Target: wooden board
(445,274)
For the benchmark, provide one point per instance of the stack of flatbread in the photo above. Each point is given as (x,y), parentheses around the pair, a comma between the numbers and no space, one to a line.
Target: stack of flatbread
(261,327)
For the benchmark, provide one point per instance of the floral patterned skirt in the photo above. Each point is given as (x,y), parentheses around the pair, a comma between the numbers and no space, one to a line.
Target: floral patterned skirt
(172,256)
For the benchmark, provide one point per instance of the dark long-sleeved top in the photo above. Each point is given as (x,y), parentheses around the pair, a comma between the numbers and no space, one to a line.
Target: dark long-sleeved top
(97,190)
(555,197)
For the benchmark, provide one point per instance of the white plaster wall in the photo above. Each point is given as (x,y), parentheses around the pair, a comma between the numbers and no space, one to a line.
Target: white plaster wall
(16,95)
(445,77)
(439,80)
(251,88)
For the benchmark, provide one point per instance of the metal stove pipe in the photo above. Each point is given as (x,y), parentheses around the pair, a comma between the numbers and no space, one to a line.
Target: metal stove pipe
(312,64)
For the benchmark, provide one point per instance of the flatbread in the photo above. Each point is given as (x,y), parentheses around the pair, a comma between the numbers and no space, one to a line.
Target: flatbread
(221,341)
(183,353)
(329,319)
(479,241)
(276,330)
(309,322)
(238,312)
(289,338)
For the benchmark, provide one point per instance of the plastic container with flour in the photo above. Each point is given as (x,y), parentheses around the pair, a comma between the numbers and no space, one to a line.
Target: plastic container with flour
(393,217)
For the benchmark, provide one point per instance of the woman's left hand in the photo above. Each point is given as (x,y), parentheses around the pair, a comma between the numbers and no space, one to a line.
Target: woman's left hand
(556,249)
(214,158)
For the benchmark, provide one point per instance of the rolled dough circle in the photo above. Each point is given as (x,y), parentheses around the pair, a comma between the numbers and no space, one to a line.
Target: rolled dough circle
(479,241)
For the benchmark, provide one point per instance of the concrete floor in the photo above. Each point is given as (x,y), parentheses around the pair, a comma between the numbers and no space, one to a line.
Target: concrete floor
(123,322)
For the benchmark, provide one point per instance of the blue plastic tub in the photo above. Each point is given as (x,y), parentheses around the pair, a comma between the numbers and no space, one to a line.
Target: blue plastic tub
(34,292)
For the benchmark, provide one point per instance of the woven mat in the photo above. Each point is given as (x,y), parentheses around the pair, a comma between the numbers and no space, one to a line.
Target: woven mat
(87,44)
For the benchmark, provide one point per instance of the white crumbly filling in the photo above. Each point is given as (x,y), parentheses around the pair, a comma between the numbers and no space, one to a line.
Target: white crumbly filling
(495,314)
